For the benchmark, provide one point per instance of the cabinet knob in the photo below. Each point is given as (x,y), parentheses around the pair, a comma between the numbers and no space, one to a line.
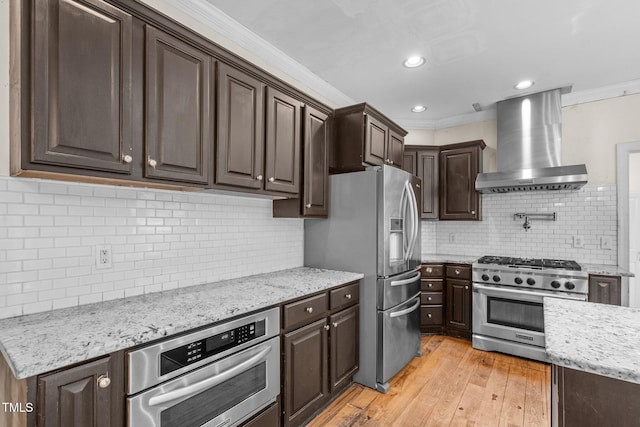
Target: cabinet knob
(308,205)
(104,381)
(272,179)
(466,287)
(430,285)
(429,270)
(428,298)
(457,271)
(309,309)
(348,296)
(473,212)
(429,315)
(259,177)
(327,327)
(127,158)
(335,324)
(390,162)
(417,185)
(151,162)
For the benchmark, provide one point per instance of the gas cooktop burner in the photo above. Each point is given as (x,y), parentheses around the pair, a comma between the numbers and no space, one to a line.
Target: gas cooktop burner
(531,262)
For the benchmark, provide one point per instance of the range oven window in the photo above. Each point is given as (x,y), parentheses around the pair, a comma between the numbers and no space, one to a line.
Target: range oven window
(214,401)
(514,313)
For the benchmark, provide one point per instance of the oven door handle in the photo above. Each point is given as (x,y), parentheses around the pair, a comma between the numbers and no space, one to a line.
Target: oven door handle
(405,281)
(209,382)
(405,311)
(490,290)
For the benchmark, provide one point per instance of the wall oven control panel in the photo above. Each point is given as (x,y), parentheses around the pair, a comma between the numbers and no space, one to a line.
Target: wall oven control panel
(179,357)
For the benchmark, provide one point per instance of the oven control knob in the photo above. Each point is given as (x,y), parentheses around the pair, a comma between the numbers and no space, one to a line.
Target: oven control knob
(531,282)
(485,277)
(496,278)
(555,284)
(518,280)
(569,285)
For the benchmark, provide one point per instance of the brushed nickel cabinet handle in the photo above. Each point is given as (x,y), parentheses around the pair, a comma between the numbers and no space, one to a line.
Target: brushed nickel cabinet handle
(259,177)
(473,212)
(327,327)
(430,285)
(417,185)
(429,270)
(335,324)
(466,287)
(429,316)
(457,271)
(272,179)
(429,298)
(151,162)
(348,296)
(308,205)
(309,309)
(127,158)
(104,381)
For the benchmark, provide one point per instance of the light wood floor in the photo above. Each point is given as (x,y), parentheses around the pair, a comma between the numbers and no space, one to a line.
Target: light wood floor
(452,384)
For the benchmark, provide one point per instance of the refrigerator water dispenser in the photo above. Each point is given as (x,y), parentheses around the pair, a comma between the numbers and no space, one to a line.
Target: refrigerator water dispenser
(396,239)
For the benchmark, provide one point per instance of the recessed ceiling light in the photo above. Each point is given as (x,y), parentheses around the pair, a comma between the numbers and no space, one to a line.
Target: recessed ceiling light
(419,109)
(413,61)
(525,84)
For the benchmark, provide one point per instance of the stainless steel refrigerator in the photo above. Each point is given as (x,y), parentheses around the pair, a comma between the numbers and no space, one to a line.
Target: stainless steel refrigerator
(374,228)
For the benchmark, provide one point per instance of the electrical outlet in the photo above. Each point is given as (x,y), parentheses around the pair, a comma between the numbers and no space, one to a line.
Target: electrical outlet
(606,242)
(452,237)
(103,256)
(578,242)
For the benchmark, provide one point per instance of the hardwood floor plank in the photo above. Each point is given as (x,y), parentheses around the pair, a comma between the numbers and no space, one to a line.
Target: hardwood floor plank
(452,384)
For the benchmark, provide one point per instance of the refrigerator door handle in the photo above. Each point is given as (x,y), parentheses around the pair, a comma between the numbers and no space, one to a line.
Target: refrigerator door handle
(414,220)
(405,281)
(413,308)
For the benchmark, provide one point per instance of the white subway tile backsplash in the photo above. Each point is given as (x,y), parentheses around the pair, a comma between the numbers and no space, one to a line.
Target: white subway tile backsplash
(159,239)
(589,212)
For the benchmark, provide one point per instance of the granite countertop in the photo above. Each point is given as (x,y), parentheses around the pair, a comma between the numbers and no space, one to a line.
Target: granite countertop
(38,343)
(598,338)
(452,258)
(606,270)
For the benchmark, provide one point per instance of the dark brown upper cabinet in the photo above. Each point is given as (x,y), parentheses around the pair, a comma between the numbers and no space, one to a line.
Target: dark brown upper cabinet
(240,142)
(423,162)
(282,154)
(313,202)
(364,135)
(81,94)
(459,166)
(178,136)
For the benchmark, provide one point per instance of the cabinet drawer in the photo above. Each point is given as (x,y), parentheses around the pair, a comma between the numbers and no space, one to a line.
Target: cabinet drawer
(431,285)
(431,298)
(459,272)
(304,311)
(432,270)
(431,315)
(343,297)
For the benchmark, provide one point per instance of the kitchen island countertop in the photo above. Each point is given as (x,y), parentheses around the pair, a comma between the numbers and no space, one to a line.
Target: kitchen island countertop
(597,338)
(41,342)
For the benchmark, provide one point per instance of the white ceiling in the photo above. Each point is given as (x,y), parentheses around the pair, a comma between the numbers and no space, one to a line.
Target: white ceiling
(476,50)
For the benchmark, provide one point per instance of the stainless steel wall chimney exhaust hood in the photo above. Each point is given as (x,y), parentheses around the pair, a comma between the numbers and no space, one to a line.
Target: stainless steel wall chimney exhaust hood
(528,152)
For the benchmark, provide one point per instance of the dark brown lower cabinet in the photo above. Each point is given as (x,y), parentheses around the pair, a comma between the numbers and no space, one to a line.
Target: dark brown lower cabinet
(458,304)
(605,289)
(582,399)
(270,417)
(319,358)
(91,394)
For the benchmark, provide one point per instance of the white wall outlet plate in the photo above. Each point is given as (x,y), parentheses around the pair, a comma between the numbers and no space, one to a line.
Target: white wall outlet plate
(578,242)
(606,242)
(103,256)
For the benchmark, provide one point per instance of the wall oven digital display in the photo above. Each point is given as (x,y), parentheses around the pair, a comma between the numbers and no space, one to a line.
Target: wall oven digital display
(187,354)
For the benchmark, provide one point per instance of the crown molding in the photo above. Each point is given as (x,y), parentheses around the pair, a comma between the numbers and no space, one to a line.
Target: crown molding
(605,92)
(447,122)
(231,29)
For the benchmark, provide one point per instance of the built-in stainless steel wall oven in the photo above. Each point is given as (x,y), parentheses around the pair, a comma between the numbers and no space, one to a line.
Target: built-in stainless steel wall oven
(218,376)
(508,295)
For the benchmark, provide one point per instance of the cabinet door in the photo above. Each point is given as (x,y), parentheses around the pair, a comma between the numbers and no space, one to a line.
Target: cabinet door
(395,149)
(409,161)
(344,346)
(375,141)
(427,162)
(458,197)
(178,137)
(605,289)
(240,141)
(74,397)
(282,154)
(317,137)
(81,77)
(458,300)
(306,380)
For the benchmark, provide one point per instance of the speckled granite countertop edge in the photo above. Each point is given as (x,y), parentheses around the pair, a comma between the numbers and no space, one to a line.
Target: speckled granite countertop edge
(38,343)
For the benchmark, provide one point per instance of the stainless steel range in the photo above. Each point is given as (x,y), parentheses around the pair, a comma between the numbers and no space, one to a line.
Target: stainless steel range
(508,301)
